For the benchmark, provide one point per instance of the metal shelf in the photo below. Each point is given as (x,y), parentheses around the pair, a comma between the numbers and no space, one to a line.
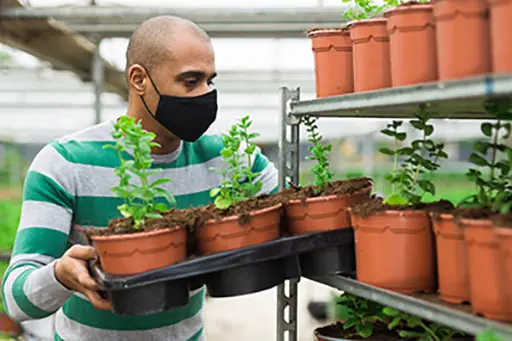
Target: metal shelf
(459,99)
(429,307)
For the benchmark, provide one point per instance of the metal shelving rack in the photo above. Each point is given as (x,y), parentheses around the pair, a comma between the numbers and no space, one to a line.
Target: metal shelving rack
(460,99)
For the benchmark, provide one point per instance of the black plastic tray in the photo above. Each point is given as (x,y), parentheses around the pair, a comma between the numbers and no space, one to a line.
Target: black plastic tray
(233,273)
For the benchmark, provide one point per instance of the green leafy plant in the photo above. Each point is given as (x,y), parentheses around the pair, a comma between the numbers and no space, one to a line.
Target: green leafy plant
(415,328)
(238,181)
(410,180)
(359,314)
(362,9)
(496,191)
(139,200)
(319,152)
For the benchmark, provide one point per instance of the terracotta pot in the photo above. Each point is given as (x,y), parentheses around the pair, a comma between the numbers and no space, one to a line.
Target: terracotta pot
(128,254)
(370,44)
(462,34)
(412,42)
(333,61)
(488,288)
(8,326)
(452,263)
(322,213)
(395,251)
(501,35)
(505,238)
(228,234)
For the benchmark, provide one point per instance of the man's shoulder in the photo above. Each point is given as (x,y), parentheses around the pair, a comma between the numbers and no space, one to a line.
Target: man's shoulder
(84,145)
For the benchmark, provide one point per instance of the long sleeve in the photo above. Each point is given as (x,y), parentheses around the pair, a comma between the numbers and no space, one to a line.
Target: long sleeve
(29,287)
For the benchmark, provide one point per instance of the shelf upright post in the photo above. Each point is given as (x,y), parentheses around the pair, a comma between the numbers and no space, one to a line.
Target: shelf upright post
(288,171)
(98,76)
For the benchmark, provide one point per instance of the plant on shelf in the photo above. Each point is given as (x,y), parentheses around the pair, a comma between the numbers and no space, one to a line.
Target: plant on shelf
(410,180)
(238,215)
(361,318)
(359,315)
(362,9)
(494,192)
(238,179)
(405,210)
(413,328)
(332,198)
(485,216)
(319,152)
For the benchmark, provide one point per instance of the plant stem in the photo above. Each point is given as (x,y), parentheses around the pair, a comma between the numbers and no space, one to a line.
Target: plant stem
(418,167)
(395,164)
(494,149)
(430,331)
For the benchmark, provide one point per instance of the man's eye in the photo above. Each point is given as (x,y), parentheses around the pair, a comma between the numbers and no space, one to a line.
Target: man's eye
(190,82)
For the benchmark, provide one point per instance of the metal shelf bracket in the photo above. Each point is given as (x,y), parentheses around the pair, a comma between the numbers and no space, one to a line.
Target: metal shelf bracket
(288,171)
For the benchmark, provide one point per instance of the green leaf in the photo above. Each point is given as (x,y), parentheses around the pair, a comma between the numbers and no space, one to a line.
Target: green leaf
(222,203)
(427,186)
(396,320)
(396,199)
(478,160)
(153,215)
(481,147)
(401,136)
(390,311)
(486,129)
(365,330)
(160,182)
(429,130)
(386,151)
(214,192)
(161,207)
(351,323)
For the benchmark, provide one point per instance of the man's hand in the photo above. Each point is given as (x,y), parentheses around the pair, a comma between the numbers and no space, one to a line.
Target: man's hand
(71,271)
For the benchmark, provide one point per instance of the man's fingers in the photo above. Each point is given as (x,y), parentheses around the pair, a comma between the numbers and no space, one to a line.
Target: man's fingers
(82,252)
(86,281)
(97,301)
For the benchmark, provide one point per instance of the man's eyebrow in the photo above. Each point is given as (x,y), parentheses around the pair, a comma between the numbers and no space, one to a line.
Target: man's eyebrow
(196,74)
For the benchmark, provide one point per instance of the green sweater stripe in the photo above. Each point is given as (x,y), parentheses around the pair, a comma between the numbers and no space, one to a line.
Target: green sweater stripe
(83,312)
(21,299)
(54,244)
(92,153)
(39,187)
(197,335)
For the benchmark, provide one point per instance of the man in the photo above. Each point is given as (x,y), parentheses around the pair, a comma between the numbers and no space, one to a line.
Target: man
(170,71)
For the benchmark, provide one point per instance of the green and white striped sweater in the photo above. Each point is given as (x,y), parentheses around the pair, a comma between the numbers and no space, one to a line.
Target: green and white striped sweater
(69,184)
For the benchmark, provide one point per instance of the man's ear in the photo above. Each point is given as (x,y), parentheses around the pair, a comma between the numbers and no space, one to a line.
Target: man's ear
(137,79)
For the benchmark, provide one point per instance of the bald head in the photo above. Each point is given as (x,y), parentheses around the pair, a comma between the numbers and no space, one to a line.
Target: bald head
(153,41)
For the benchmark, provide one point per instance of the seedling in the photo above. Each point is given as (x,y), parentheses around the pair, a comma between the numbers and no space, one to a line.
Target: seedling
(496,192)
(410,180)
(359,315)
(412,327)
(319,152)
(139,200)
(362,9)
(238,182)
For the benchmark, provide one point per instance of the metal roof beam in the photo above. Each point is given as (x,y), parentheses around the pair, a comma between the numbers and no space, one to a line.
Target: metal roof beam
(120,21)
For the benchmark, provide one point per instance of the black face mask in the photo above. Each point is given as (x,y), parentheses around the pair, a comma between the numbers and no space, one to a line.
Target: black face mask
(186,117)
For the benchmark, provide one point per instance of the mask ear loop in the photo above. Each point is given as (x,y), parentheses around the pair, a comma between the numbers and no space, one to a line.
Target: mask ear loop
(154,86)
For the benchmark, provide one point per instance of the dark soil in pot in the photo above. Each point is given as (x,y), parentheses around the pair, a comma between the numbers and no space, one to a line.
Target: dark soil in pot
(340,187)
(502,220)
(192,217)
(370,207)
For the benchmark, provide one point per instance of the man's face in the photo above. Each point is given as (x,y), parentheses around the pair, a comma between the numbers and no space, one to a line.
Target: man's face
(189,71)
